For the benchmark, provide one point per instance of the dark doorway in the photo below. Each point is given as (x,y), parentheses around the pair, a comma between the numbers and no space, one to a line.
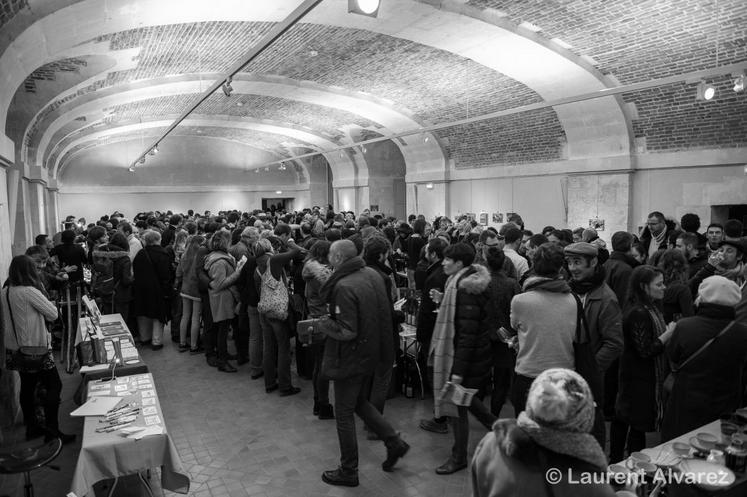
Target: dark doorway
(720,213)
(277,204)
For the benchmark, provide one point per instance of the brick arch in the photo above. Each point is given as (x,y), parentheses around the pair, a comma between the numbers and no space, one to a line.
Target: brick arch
(407,26)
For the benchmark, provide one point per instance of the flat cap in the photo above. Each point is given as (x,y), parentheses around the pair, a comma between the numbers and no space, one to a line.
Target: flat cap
(738,243)
(581,248)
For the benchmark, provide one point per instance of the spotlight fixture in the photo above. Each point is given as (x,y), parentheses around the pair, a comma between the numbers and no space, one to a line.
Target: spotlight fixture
(256,171)
(227,88)
(368,8)
(705,91)
(342,154)
(142,160)
(278,192)
(154,150)
(132,168)
(426,138)
(429,186)
(739,83)
(282,166)
(363,149)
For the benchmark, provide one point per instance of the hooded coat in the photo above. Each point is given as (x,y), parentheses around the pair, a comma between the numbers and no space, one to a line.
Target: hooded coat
(223,295)
(315,274)
(153,280)
(509,463)
(121,270)
(472,347)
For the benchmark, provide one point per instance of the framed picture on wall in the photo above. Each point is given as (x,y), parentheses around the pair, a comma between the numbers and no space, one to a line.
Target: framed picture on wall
(597,224)
(374,208)
(471,216)
(484,218)
(497,217)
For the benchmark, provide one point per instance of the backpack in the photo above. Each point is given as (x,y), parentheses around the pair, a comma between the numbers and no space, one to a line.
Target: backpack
(102,275)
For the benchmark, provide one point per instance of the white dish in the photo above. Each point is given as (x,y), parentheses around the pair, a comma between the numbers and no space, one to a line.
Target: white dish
(706,475)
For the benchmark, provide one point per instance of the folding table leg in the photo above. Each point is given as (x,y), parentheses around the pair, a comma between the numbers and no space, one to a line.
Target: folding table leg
(145,483)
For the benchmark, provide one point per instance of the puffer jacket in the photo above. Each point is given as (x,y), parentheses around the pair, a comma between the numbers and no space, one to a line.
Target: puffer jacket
(472,346)
(315,274)
(121,270)
(508,463)
(223,295)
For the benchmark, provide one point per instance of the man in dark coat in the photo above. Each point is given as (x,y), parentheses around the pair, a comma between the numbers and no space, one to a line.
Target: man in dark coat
(654,236)
(710,384)
(435,279)
(356,344)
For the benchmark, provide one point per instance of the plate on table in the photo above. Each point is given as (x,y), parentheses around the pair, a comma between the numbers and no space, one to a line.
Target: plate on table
(706,475)
(664,457)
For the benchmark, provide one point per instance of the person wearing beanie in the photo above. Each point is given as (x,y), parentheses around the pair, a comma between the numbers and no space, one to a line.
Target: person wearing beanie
(710,384)
(601,309)
(552,432)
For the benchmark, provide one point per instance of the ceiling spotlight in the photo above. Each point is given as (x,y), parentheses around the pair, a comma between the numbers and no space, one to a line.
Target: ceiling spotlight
(154,150)
(142,160)
(282,166)
(426,138)
(364,7)
(342,154)
(429,186)
(278,192)
(227,88)
(739,83)
(705,91)
(132,168)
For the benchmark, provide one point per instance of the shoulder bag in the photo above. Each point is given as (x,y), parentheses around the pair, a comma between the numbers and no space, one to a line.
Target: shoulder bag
(668,384)
(27,359)
(273,295)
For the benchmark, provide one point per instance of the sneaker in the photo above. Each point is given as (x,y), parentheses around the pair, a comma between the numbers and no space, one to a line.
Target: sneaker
(434,426)
(326,412)
(341,478)
(396,448)
(183,347)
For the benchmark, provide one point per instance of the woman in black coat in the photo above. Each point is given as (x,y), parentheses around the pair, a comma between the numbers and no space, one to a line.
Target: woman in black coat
(710,384)
(152,289)
(639,405)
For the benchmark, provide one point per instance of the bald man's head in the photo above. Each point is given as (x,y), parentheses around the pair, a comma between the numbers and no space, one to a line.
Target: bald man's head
(341,251)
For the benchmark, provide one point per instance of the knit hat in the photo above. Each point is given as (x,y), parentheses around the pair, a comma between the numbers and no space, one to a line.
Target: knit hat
(581,248)
(718,290)
(561,399)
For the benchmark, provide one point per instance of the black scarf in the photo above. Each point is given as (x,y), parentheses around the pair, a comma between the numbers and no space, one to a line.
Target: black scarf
(555,285)
(585,286)
(348,267)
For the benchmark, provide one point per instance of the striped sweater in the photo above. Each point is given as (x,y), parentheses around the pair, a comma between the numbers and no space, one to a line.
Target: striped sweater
(30,311)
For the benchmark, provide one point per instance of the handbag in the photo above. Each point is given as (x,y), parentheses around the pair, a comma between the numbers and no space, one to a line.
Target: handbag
(584,358)
(27,359)
(311,331)
(273,296)
(668,384)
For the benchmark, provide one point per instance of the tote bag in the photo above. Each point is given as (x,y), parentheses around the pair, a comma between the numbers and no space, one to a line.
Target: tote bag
(273,296)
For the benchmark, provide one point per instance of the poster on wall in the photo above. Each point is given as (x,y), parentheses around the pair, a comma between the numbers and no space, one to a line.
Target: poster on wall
(597,224)
(374,208)
(484,218)
(497,218)
(471,216)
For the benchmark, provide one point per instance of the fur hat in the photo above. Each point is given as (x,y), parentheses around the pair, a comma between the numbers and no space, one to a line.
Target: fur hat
(718,290)
(561,399)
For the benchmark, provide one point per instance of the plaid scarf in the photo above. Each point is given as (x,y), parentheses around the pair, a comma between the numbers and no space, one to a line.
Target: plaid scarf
(441,353)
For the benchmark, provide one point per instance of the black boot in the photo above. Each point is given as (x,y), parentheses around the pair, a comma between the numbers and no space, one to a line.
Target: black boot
(395,449)
(326,412)
(340,477)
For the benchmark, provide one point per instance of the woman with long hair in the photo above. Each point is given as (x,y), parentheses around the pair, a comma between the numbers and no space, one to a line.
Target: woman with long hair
(316,271)
(26,310)
(186,283)
(643,367)
(678,300)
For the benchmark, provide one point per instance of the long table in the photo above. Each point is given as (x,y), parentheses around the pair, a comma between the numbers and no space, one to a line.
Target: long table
(111,328)
(737,489)
(111,455)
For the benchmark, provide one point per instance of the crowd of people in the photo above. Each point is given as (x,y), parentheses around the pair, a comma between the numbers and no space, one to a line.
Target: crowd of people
(589,345)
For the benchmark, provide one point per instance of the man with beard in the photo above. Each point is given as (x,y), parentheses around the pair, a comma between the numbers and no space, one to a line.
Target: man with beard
(601,309)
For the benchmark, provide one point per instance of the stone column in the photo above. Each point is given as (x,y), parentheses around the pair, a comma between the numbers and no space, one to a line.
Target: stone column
(53,208)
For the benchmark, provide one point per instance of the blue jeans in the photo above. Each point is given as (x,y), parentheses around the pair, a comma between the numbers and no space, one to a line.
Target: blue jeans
(351,396)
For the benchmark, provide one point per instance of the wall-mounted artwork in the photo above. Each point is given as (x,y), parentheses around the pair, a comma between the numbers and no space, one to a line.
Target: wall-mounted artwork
(597,224)
(484,218)
(374,208)
(497,217)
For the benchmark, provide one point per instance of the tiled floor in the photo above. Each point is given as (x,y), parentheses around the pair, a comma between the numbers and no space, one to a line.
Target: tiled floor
(236,440)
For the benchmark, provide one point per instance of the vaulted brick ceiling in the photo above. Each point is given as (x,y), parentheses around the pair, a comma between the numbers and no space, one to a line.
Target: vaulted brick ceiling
(324,78)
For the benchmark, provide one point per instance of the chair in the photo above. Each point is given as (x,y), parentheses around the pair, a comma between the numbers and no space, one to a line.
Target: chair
(27,457)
